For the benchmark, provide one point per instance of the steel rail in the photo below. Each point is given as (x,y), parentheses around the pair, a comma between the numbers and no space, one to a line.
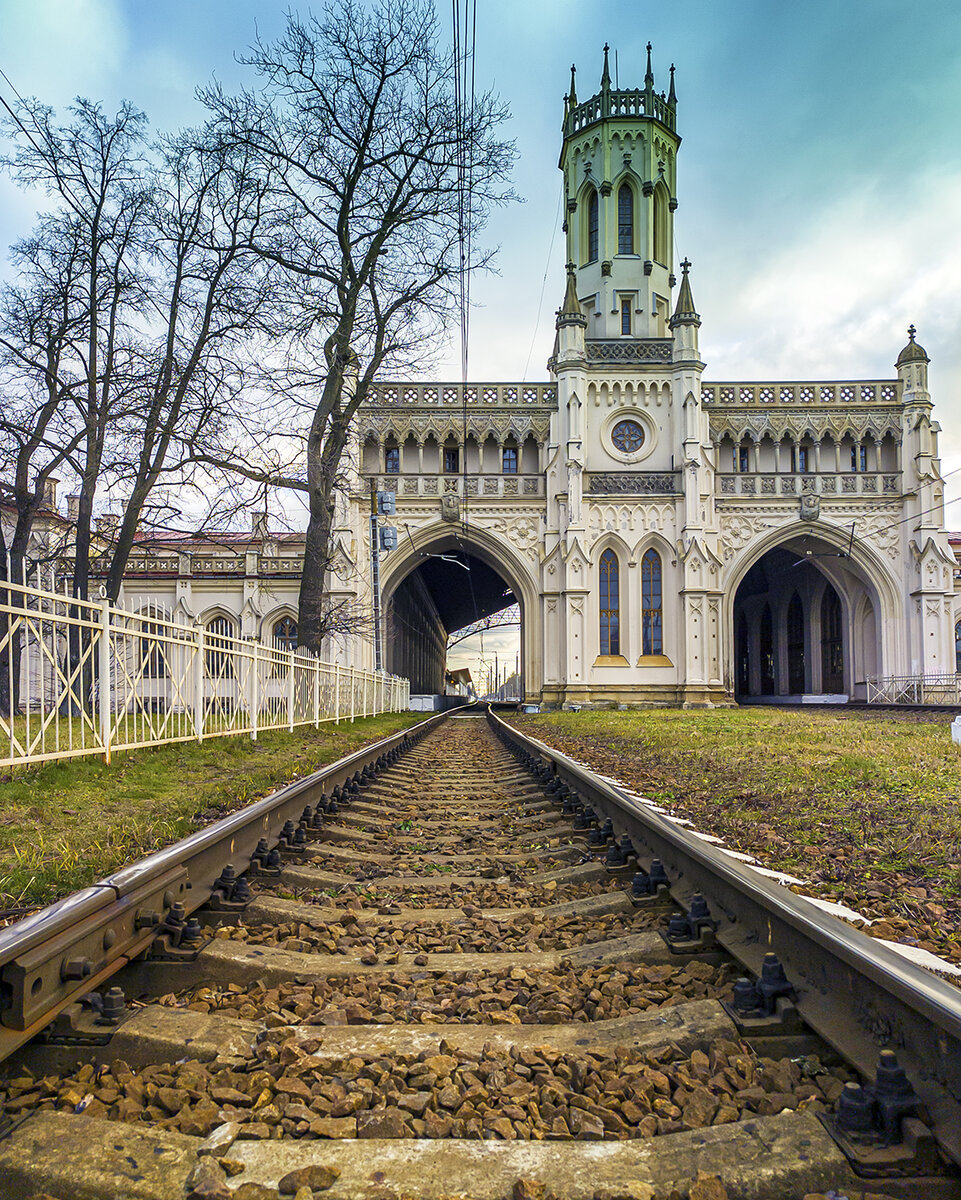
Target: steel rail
(57,955)
(859,995)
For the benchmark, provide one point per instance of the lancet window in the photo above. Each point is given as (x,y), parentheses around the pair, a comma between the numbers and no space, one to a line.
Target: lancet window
(625,220)
(593,222)
(651,601)
(610,603)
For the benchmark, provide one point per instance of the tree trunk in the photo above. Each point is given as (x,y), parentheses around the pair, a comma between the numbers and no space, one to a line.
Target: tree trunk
(322,476)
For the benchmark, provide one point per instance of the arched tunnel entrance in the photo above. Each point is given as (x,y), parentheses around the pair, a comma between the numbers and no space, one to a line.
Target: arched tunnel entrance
(805,624)
(440,589)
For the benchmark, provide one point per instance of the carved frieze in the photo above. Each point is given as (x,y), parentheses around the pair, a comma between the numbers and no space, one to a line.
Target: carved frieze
(634,483)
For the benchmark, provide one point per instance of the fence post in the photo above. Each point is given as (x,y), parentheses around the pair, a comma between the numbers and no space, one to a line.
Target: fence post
(199,669)
(103,670)
(316,662)
(353,695)
(336,693)
(252,689)
(291,686)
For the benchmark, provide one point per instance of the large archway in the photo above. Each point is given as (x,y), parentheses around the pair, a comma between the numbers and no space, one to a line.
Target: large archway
(442,578)
(806,621)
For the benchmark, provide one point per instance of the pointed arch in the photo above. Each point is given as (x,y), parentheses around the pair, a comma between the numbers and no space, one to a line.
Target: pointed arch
(609,580)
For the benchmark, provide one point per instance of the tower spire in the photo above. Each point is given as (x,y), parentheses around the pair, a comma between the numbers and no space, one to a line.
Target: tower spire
(649,77)
(606,73)
(671,95)
(572,98)
(685,313)
(571,308)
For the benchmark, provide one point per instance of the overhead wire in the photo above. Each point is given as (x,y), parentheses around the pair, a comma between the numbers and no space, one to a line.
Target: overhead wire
(547,268)
(464,55)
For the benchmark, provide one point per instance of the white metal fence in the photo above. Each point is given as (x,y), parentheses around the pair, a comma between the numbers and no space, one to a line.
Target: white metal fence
(83,677)
(914,689)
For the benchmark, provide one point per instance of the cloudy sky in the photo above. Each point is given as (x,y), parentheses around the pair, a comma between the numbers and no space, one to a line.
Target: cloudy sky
(819,175)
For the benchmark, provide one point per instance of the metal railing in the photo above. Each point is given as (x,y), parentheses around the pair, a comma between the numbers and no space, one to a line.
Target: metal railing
(914,689)
(81,677)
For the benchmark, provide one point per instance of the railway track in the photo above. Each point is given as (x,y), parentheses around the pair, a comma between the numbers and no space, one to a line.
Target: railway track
(460,964)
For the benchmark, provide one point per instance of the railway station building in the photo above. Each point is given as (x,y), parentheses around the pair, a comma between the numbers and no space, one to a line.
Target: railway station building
(669,538)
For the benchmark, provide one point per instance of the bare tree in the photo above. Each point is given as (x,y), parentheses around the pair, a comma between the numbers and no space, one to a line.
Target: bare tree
(144,331)
(38,319)
(93,168)
(355,127)
(211,303)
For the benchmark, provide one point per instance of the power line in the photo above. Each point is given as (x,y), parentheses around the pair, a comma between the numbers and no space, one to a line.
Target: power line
(547,267)
(465,53)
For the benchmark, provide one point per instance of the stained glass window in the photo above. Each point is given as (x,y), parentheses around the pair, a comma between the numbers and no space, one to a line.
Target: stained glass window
(610,604)
(627,436)
(652,641)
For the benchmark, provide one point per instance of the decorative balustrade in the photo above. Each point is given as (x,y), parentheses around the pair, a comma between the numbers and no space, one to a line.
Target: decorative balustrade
(763,395)
(430,484)
(457,395)
(824,483)
(632,102)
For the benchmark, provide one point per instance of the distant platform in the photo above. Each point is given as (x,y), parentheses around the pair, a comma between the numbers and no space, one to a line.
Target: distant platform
(435,702)
(803,698)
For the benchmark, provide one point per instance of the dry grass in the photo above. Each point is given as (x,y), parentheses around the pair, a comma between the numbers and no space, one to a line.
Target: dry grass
(865,808)
(66,824)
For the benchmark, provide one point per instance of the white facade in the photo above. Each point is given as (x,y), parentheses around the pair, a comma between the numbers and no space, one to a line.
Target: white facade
(768,539)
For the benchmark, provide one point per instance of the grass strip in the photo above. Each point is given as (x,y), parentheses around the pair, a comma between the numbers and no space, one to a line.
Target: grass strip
(65,824)
(865,808)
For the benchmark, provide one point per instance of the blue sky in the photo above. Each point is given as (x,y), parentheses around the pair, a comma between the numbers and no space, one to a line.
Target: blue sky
(819,175)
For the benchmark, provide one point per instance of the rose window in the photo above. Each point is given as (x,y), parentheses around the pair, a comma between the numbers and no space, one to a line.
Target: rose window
(627,436)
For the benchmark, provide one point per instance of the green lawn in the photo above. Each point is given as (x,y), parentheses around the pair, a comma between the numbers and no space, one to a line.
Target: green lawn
(64,825)
(866,808)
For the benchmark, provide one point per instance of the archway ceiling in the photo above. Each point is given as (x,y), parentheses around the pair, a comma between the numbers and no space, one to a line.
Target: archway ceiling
(461,597)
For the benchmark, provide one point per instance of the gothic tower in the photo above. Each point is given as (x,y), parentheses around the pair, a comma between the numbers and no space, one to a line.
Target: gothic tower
(619,158)
(630,478)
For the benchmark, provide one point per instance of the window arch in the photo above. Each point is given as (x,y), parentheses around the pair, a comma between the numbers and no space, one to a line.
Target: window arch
(625,219)
(593,225)
(610,603)
(652,641)
(957,647)
(284,633)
